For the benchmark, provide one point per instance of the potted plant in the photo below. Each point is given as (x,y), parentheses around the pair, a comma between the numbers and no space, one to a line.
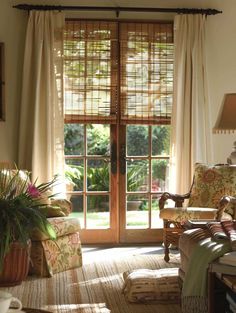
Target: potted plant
(21,212)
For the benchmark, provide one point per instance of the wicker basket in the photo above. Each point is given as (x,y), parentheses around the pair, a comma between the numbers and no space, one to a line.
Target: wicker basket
(16,265)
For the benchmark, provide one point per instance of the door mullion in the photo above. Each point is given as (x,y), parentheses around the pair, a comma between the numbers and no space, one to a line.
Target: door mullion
(122,186)
(85,177)
(114,214)
(149,175)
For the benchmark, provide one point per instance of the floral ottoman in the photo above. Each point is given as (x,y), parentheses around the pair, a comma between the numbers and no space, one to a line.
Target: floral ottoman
(52,256)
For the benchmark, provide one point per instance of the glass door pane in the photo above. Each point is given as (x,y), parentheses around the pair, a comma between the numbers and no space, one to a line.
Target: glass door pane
(144,163)
(88,174)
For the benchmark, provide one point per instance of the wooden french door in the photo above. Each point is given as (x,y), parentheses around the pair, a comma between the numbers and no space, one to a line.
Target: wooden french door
(143,175)
(118,85)
(91,171)
(117,177)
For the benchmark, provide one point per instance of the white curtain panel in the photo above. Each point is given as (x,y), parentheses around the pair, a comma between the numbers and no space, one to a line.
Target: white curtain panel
(41,142)
(191,135)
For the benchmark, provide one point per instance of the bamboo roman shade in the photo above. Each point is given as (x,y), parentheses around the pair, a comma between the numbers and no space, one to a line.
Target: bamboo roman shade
(146,73)
(106,82)
(90,71)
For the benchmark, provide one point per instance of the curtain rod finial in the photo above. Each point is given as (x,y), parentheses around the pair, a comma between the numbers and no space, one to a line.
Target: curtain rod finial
(213,12)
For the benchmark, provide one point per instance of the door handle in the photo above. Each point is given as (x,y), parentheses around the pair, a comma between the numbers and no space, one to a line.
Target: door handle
(113,158)
(122,159)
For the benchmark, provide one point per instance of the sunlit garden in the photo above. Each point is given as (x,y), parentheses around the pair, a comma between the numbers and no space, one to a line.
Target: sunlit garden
(88,172)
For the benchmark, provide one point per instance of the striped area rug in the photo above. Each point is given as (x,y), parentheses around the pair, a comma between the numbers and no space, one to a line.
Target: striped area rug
(94,288)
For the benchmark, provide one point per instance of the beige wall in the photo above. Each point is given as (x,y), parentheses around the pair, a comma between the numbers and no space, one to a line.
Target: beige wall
(12,29)
(221,56)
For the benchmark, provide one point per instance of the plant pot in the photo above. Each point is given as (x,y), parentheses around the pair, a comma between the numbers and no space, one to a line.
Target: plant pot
(16,265)
(133,205)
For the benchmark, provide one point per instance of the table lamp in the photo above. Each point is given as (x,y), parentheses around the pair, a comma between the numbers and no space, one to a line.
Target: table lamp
(226,121)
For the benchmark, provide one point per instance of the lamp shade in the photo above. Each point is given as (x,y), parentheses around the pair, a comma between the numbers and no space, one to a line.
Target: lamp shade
(226,121)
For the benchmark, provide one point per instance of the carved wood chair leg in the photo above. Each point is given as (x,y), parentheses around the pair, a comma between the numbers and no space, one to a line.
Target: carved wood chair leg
(166,257)
(165,241)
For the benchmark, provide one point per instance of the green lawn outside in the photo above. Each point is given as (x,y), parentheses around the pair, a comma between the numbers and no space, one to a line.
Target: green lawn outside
(135,219)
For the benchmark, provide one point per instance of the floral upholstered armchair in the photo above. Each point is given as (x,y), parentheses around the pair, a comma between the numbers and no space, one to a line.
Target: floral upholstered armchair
(209,198)
(49,254)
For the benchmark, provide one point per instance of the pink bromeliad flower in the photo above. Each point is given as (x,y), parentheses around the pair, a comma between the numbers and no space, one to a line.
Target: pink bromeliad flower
(33,191)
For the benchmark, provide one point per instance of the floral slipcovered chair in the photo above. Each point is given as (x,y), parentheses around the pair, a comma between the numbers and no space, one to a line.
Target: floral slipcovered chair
(208,199)
(52,256)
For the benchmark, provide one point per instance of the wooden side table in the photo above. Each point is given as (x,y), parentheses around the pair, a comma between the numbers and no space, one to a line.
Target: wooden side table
(218,285)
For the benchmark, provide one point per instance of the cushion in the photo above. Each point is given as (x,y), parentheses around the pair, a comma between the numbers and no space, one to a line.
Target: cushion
(62,226)
(52,211)
(145,285)
(57,208)
(181,215)
(64,205)
(211,183)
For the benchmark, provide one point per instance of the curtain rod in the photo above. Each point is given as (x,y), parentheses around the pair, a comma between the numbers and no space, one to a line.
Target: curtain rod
(29,7)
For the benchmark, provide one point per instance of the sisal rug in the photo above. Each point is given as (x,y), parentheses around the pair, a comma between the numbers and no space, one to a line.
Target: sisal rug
(94,288)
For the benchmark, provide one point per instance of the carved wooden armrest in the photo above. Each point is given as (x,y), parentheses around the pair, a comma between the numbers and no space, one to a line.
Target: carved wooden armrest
(178,199)
(224,201)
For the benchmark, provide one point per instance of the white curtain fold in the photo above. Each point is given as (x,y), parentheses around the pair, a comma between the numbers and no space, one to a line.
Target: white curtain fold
(41,135)
(191,140)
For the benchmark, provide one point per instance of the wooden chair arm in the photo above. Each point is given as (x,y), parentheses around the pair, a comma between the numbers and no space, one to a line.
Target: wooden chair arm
(224,201)
(178,199)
